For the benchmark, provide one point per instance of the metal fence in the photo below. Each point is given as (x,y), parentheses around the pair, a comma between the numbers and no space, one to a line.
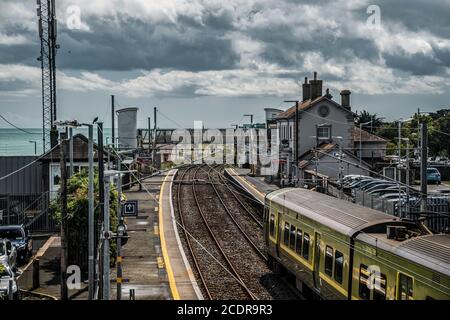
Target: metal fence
(437,213)
(31,211)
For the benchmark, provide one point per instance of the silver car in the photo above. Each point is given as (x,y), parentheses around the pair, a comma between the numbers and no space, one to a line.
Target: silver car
(6,276)
(8,254)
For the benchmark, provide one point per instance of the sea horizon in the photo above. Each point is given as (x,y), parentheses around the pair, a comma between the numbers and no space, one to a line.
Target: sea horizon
(21,142)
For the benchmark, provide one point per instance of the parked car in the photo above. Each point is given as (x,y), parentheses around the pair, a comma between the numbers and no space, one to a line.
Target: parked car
(379,187)
(7,275)
(20,238)
(433,176)
(8,254)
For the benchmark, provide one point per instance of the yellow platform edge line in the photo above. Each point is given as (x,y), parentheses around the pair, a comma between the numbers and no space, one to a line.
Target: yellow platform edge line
(248,183)
(172,283)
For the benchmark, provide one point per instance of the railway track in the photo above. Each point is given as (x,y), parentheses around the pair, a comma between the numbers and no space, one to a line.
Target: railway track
(205,256)
(224,238)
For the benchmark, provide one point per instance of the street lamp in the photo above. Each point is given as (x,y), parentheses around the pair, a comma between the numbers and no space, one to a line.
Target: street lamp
(91,232)
(107,234)
(251,118)
(35,146)
(407,174)
(361,125)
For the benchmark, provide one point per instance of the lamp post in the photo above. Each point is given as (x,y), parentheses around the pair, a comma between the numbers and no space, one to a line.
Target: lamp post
(35,146)
(341,168)
(407,174)
(108,235)
(399,179)
(91,235)
(361,125)
(251,118)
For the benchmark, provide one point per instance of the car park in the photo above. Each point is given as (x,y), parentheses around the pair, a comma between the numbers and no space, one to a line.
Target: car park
(379,186)
(20,238)
(8,253)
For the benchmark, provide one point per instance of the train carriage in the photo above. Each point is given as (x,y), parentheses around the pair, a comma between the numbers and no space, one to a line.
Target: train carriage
(334,249)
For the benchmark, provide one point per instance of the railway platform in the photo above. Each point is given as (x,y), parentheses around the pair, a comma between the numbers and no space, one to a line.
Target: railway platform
(181,278)
(142,271)
(255,186)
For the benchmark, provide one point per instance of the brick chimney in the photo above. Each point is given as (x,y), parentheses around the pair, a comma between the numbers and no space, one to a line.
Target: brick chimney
(306,90)
(345,99)
(316,87)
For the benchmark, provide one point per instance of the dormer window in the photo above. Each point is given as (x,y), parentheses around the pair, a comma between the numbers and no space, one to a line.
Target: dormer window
(324,133)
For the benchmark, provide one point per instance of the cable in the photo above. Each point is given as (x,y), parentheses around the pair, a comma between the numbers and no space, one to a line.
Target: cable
(13,125)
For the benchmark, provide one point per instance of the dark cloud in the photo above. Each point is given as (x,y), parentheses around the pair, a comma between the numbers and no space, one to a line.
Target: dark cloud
(416,64)
(418,15)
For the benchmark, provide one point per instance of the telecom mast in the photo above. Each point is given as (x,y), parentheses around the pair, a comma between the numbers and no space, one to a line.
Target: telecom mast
(47,33)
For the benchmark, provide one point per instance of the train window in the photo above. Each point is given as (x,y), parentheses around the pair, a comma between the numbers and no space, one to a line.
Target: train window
(286,234)
(272,225)
(306,246)
(379,292)
(329,261)
(338,266)
(292,239)
(364,283)
(406,287)
(298,244)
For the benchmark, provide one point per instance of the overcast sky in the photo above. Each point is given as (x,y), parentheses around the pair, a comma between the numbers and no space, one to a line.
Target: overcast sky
(215,60)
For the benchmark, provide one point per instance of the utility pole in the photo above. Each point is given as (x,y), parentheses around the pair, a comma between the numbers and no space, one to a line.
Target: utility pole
(91,222)
(149,135)
(423,167)
(71,151)
(119,238)
(407,176)
(296,148)
(113,134)
(63,228)
(106,238)
(101,185)
(154,138)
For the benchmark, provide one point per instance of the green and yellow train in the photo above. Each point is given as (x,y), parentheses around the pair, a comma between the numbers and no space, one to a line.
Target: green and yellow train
(334,249)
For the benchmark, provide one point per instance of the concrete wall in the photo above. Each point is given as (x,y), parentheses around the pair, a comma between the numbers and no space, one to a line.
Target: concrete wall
(378,149)
(340,121)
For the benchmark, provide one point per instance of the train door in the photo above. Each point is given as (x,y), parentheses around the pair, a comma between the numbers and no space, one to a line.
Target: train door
(317,260)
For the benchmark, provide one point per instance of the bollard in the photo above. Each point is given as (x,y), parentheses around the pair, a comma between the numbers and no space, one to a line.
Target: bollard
(132,294)
(10,290)
(36,282)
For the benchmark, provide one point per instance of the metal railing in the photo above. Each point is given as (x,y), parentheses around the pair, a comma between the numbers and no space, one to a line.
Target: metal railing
(31,211)
(437,214)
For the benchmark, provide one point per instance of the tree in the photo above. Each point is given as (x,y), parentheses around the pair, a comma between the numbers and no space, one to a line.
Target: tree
(364,117)
(77,217)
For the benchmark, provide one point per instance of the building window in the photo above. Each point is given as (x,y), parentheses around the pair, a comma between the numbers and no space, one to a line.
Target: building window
(286,234)
(298,244)
(324,133)
(329,261)
(338,266)
(290,132)
(292,239)
(306,246)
